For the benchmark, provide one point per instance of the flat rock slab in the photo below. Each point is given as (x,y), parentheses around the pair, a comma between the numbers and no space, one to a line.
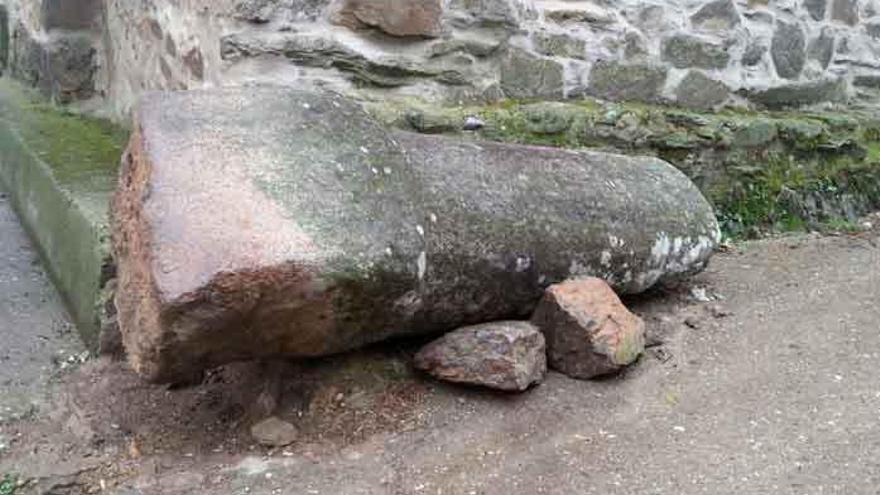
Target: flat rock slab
(254,222)
(505,355)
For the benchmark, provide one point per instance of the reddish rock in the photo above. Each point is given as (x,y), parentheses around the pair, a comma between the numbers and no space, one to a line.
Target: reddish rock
(589,331)
(394,17)
(264,222)
(505,355)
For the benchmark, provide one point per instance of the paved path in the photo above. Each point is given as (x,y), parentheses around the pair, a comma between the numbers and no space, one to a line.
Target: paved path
(36,336)
(780,397)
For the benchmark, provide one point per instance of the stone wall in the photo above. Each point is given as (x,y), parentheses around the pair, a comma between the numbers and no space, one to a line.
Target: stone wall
(696,53)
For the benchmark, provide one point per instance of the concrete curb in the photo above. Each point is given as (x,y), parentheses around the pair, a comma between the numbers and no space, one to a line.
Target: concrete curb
(65,214)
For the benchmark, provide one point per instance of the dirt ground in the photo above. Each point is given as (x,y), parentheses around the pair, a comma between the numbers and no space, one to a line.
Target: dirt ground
(762,378)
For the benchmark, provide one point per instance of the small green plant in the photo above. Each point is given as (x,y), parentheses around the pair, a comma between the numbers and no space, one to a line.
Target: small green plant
(9,484)
(841,225)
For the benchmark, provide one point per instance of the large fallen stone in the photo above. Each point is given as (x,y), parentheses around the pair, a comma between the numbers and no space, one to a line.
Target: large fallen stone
(505,355)
(589,331)
(271,222)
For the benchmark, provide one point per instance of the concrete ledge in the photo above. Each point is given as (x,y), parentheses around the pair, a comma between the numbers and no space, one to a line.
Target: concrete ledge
(60,170)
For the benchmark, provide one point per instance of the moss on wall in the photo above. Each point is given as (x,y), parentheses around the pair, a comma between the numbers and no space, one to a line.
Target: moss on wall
(60,169)
(763,171)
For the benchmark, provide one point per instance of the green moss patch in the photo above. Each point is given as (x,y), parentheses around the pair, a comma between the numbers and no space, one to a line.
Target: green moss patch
(8,484)
(763,171)
(60,170)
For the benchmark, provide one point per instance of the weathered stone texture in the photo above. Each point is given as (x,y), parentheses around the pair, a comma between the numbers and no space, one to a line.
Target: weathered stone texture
(621,81)
(821,48)
(394,17)
(816,8)
(310,230)
(524,75)
(788,50)
(684,51)
(71,14)
(459,50)
(717,15)
(505,355)
(589,331)
(845,11)
(63,67)
(697,90)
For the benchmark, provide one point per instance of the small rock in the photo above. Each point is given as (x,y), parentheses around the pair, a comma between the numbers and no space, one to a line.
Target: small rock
(274,432)
(473,123)
(699,294)
(719,311)
(589,331)
(692,322)
(507,355)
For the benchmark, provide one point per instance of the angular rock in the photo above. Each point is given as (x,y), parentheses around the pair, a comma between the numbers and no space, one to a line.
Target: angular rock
(821,48)
(699,91)
(505,355)
(587,13)
(70,14)
(63,67)
(816,8)
(684,51)
(274,432)
(845,11)
(799,94)
(524,75)
(487,13)
(420,18)
(717,15)
(589,331)
(872,27)
(753,54)
(618,81)
(256,11)
(475,47)
(559,45)
(867,81)
(788,49)
(319,51)
(289,223)
(634,46)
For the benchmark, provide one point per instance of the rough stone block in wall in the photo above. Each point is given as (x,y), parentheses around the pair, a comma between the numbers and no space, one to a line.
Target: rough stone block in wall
(454,50)
(70,14)
(63,66)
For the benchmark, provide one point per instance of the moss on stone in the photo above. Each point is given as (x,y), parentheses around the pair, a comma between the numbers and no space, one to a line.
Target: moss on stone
(60,170)
(762,170)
